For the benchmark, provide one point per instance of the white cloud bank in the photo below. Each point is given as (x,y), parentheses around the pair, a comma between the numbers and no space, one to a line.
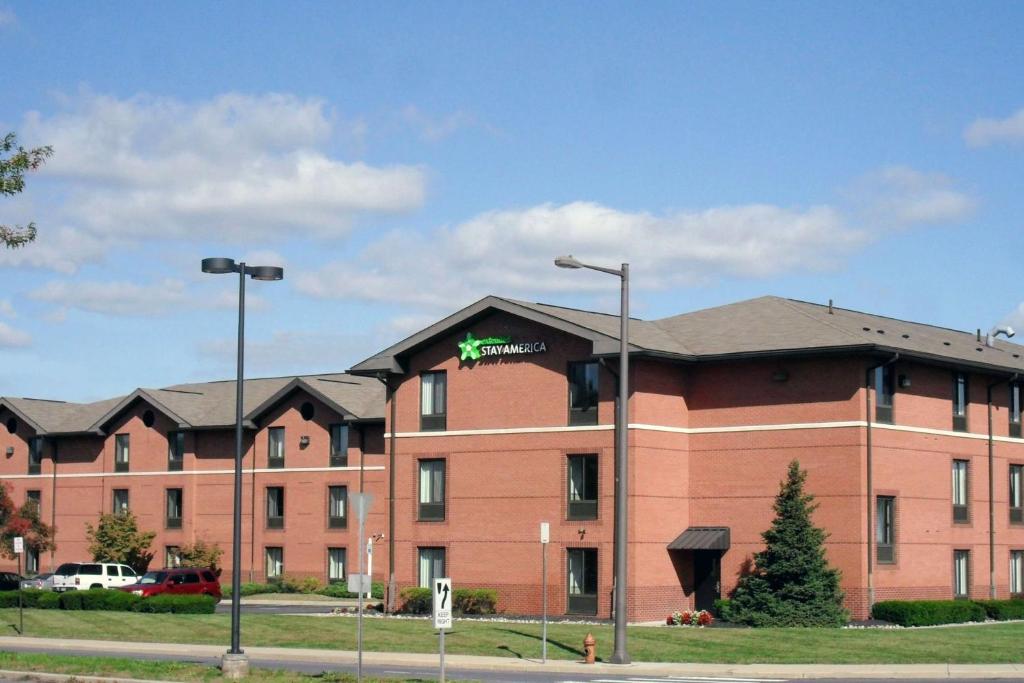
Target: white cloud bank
(985,132)
(123,298)
(11,338)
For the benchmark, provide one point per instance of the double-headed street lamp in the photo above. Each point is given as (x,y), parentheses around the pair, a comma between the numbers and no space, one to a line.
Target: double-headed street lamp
(619,655)
(235,664)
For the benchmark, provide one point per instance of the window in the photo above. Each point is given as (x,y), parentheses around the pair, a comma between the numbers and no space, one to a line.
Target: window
(274,562)
(337,503)
(172,556)
(961,398)
(885,527)
(174,508)
(1015,396)
(582,393)
(121,443)
(582,575)
(1017,494)
(275,447)
(36,497)
(1016,572)
(582,476)
(431,566)
(961,573)
(884,393)
(31,560)
(433,401)
(431,490)
(35,455)
(335,565)
(175,451)
(120,501)
(275,507)
(339,445)
(961,512)
(112,570)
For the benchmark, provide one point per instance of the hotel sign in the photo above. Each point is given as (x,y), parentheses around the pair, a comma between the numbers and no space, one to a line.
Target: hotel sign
(472,348)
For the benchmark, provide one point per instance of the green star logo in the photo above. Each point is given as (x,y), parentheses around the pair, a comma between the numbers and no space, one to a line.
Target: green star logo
(470,348)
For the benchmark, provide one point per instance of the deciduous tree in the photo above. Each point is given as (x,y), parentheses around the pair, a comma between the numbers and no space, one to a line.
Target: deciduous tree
(22,521)
(15,162)
(201,554)
(116,538)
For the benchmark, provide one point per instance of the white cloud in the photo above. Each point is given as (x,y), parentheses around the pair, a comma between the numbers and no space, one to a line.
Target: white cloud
(6,309)
(11,338)
(61,249)
(7,17)
(899,197)
(984,132)
(435,129)
(289,352)
(1015,319)
(129,299)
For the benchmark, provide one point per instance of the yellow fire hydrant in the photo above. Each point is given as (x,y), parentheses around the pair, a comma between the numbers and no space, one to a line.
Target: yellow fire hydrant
(589,646)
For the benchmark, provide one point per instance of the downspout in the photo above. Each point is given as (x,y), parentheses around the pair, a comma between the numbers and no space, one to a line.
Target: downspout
(991,490)
(389,394)
(870,480)
(252,518)
(53,502)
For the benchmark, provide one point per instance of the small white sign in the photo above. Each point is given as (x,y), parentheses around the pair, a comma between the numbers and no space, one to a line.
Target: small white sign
(359,583)
(545,532)
(443,603)
(19,545)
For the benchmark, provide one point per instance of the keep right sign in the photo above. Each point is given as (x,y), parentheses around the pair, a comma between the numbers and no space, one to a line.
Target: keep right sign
(442,603)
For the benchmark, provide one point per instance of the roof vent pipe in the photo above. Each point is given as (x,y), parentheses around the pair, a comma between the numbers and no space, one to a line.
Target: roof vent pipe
(979,334)
(830,311)
(990,338)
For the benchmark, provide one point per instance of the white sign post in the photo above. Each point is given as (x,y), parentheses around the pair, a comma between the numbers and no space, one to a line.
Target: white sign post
(442,603)
(19,548)
(362,502)
(545,537)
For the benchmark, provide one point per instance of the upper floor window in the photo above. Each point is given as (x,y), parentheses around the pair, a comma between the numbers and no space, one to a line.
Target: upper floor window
(961,398)
(431,566)
(174,506)
(35,497)
(583,393)
(120,501)
(885,529)
(337,504)
(961,573)
(1015,396)
(339,445)
(961,490)
(431,490)
(883,393)
(121,448)
(175,451)
(433,401)
(275,507)
(35,455)
(275,447)
(582,476)
(1017,494)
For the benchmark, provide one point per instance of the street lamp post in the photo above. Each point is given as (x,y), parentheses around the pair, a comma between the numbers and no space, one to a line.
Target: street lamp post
(235,664)
(619,655)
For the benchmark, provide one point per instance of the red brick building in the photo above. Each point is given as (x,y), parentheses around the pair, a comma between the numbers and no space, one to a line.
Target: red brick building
(500,417)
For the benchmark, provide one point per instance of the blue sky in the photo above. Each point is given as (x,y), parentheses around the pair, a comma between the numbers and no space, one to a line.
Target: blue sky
(401,160)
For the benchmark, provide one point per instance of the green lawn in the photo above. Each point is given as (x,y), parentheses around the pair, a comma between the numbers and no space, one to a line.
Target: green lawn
(995,643)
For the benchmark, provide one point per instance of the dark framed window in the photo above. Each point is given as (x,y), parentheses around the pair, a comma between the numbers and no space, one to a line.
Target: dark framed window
(175,451)
(337,507)
(274,556)
(1017,494)
(35,455)
(172,556)
(1017,573)
(275,507)
(961,399)
(581,570)
(31,560)
(120,501)
(961,491)
(885,529)
(431,566)
(35,496)
(583,393)
(336,565)
(434,401)
(339,445)
(431,490)
(1015,408)
(122,447)
(884,390)
(174,507)
(961,573)
(275,447)
(582,478)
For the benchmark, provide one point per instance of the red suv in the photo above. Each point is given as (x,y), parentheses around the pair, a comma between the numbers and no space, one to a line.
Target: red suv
(177,582)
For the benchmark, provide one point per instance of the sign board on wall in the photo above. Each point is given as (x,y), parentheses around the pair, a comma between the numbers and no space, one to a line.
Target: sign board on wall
(472,348)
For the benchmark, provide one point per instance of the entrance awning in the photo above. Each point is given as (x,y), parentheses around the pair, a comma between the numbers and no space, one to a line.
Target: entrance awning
(702,538)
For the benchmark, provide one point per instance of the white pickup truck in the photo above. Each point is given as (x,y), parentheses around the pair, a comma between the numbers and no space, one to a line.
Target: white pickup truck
(72,576)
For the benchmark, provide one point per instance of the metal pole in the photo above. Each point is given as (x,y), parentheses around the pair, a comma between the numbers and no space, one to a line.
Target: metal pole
(441,679)
(236,537)
(21,605)
(620,655)
(361,513)
(544,602)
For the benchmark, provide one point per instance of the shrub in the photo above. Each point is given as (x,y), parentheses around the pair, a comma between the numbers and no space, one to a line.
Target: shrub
(178,604)
(415,600)
(8,598)
(48,600)
(71,600)
(721,609)
(248,589)
(340,590)
(110,600)
(475,600)
(1002,610)
(928,612)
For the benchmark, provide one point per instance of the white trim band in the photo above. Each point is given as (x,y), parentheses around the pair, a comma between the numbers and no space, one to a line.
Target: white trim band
(286,470)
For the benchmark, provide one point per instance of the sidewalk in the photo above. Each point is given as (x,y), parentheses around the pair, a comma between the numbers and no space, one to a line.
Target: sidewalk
(576,669)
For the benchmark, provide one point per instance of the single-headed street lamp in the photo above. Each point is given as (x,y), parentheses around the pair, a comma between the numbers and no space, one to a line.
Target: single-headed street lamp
(619,655)
(235,664)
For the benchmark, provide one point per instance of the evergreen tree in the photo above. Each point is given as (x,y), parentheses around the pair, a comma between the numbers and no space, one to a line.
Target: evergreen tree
(792,583)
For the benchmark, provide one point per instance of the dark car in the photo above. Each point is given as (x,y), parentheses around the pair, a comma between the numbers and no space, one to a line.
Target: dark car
(9,581)
(178,581)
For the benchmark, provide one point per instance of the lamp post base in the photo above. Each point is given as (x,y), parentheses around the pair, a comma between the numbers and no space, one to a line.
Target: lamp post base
(234,666)
(619,658)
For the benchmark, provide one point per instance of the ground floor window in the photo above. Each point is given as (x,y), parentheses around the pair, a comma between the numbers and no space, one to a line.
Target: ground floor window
(431,566)
(31,560)
(335,565)
(961,573)
(1017,572)
(885,526)
(172,556)
(582,574)
(275,562)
